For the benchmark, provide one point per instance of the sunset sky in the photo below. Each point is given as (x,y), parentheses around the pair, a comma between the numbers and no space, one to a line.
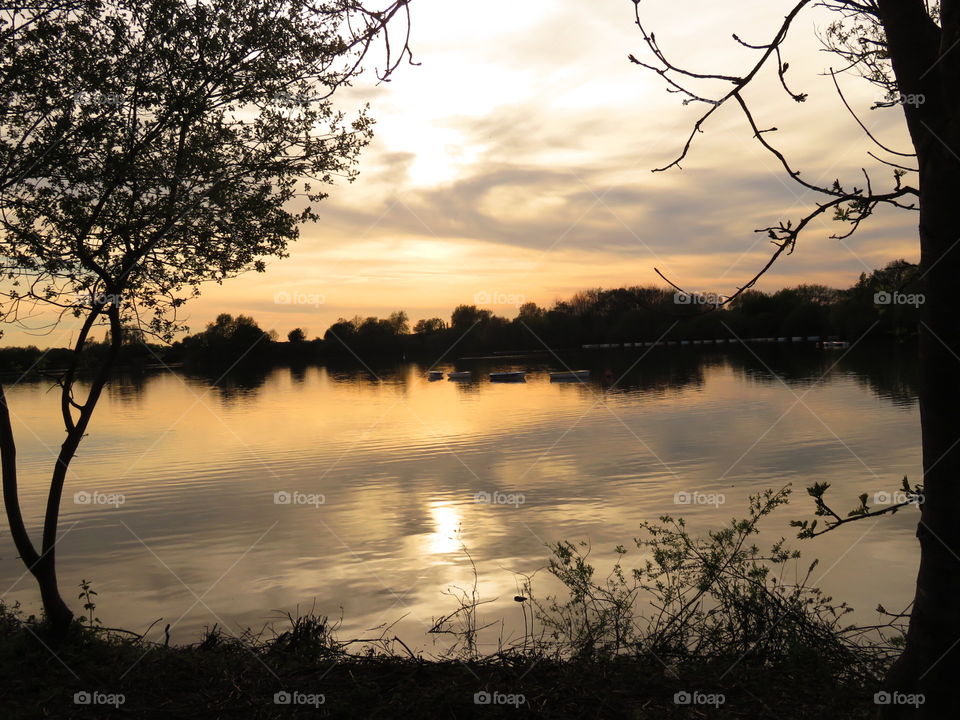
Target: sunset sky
(514,163)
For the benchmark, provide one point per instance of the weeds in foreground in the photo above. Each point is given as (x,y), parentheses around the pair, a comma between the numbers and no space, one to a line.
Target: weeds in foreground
(717,598)
(89,604)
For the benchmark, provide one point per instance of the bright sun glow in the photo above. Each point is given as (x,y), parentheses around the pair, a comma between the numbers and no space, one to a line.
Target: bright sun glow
(446,521)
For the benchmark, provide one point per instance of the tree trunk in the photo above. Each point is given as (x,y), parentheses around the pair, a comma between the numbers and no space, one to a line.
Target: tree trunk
(930,663)
(58,615)
(43,565)
(43,568)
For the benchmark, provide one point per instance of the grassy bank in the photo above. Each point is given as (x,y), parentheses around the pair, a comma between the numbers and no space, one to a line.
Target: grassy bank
(234,679)
(681,627)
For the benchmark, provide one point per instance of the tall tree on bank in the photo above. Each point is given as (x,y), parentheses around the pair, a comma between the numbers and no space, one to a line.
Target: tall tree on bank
(911,50)
(180,142)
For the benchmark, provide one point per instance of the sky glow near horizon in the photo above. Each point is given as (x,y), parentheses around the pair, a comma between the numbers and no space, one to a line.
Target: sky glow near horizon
(514,164)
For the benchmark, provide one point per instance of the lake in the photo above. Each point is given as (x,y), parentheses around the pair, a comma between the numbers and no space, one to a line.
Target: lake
(353,491)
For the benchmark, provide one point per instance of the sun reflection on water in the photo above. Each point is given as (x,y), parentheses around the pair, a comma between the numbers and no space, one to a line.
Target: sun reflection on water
(446,520)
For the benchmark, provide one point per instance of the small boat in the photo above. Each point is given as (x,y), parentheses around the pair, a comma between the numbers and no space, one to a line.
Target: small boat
(435,375)
(509,376)
(570,376)
(835,344)
(460,375)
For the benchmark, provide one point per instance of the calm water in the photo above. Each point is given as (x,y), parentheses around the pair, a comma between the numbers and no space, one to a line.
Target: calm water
(398,460)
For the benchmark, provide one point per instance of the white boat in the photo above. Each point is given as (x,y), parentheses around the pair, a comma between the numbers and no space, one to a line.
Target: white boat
(835,344)
(509,376)
(435,375)
(569,375)
(460,375)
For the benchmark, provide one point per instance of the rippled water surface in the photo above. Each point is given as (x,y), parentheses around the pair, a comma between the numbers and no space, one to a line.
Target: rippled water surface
(398,461)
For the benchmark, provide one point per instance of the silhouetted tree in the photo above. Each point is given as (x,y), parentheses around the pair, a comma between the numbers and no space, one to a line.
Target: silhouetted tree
(907,48)
(429,326)
(297,335)
(531,311)
(340,333)
(227,339)
(399,322)
(466,316)
(178,135)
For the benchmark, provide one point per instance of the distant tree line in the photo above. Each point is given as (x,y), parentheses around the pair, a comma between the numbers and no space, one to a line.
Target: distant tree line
(883,305)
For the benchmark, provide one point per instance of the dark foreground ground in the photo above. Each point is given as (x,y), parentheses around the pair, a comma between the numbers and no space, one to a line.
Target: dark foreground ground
(297,674)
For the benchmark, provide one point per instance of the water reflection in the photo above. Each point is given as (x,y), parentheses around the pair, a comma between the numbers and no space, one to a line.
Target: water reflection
(236,385)
(445,537)
(399,462)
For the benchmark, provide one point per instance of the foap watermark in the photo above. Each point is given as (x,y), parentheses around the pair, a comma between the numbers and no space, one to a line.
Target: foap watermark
(698,498)
(499,498)
(499,298)
(696,697)
(94,697)
(898,698)
(98,498)
(97,299)
(299,298)
(911,99)
(292,497)
(698,298)
(289,98)
(298,698)
(498,698)
(897,497)
(97,98)
(898,298)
